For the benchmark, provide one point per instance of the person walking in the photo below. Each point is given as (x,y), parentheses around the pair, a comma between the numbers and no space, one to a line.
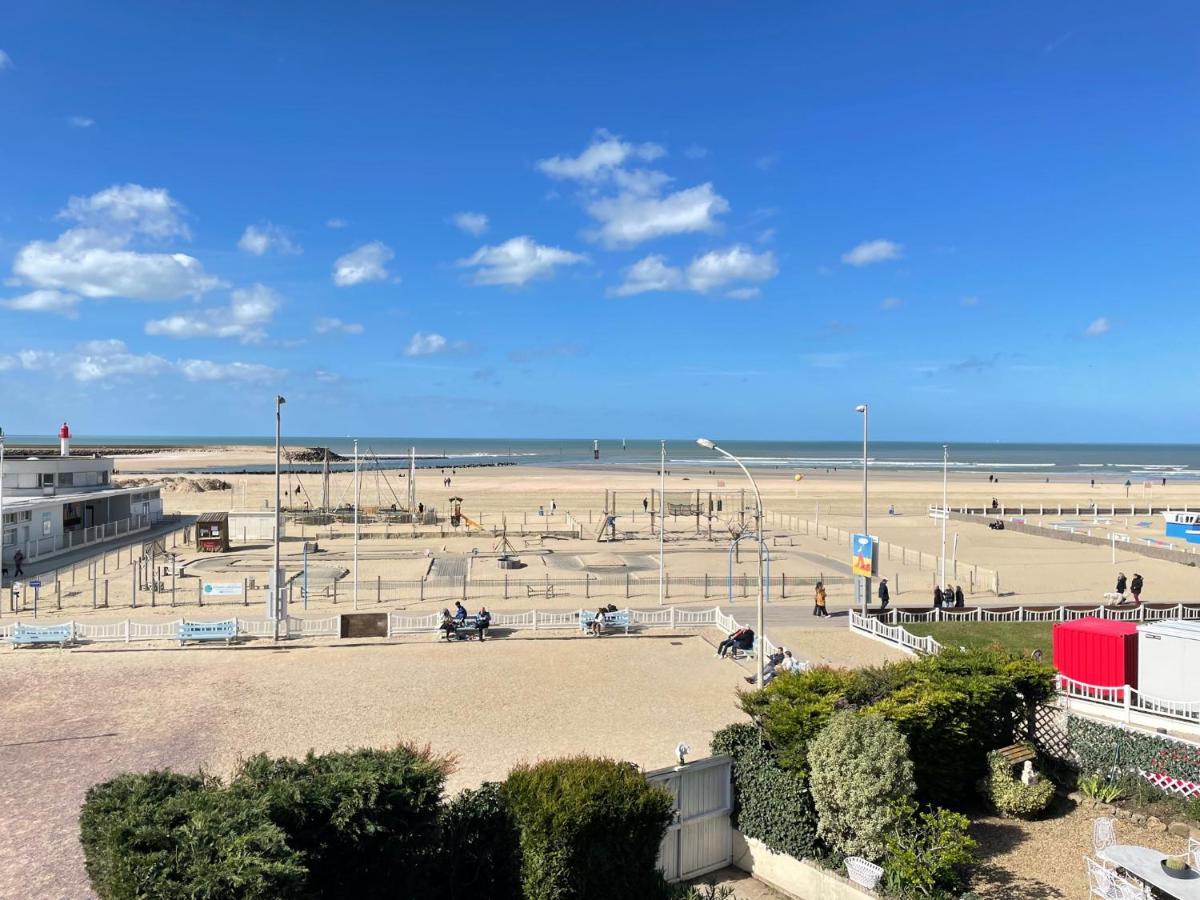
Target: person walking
(959,599)
(645,504)
(937,596)
(1121,585)
(553,506)
(1135,587)
(18,562)
(819,600)
(884,594)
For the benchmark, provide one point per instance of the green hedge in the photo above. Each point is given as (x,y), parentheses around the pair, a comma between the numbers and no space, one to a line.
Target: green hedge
(590,828)
(482,847)
(161,834)
(1011,796)
(954,708)
(770,804)
(1102,749)
(362,819)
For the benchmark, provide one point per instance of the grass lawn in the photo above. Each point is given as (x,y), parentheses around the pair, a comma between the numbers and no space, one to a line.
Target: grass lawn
(1023,637)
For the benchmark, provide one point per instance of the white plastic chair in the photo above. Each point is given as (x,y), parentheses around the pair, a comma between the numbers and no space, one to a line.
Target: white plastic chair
(1104,835)
(863,872)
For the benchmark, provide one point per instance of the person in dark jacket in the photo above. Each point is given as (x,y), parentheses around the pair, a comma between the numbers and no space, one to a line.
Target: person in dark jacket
(483,621)
(959,599)
(1121,583)
(1135,587)
(884,595)
(937,596)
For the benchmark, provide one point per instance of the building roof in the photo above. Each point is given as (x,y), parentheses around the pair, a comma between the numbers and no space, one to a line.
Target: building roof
(1096,625)
(13,504)
(1173,628)
(215,518)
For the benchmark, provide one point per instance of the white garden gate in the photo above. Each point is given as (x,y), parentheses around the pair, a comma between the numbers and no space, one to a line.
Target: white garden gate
(700,839)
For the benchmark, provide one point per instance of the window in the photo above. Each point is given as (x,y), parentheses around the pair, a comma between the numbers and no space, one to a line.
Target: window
(45,524)
(66,478)
(46,479)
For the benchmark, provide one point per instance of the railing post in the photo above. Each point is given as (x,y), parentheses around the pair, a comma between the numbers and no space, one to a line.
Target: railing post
(672,618)
(626,587)
(535,620)
(378,588)
(1126,698)
(126,626)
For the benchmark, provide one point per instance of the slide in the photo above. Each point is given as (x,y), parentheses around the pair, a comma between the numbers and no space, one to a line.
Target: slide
(606,522)
(471,522)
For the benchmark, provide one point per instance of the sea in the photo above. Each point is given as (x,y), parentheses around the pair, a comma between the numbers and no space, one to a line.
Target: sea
(1107,462)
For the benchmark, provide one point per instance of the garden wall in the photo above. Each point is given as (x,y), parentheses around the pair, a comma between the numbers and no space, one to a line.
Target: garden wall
(791,875)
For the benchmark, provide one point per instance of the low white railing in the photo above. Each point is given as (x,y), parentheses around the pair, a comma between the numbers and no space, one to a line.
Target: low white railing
(1128,698)
(1143,612)
(893,634)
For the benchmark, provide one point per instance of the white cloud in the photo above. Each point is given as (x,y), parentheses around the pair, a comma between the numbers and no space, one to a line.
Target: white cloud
(766,162)
(650,274)
(1097,327)
(94,259)
(329,325)
(628,219)
(891,303)
(44,301)
(259,239)
(600,159)
(425,344)
(129,209)
(765,236)
(869,252)
(365,263)
(326,376)
(517,261)
(81,121)
(5,61)
(737,263)
(207,370)
(111,360)
(336,223)
(695,151)
(471,222)
(249,310)
(712,271)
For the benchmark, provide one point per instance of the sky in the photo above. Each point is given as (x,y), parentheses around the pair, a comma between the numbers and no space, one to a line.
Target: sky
(633,219)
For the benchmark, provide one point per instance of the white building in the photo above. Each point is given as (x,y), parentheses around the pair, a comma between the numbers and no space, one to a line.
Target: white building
(54,504)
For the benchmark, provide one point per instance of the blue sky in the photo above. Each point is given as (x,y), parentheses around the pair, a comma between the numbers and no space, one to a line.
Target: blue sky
(633,219)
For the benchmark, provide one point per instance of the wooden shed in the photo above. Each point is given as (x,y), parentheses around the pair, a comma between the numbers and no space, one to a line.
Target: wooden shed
(212,532)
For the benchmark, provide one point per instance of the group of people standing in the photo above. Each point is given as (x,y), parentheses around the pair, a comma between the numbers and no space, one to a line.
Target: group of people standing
(948,596)
(1135,586)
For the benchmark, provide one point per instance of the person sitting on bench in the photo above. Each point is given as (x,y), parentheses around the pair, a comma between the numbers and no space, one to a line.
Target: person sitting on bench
(736,641)
(483,621)
(598,622)
(447,625)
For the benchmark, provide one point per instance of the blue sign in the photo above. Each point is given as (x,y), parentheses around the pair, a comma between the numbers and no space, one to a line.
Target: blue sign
(35,583)
(864,551)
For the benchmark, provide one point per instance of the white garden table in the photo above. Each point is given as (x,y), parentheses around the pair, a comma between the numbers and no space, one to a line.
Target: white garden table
(1146,865)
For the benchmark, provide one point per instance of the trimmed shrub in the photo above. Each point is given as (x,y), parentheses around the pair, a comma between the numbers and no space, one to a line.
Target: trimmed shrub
(366,820)
(954,708)
(929,854)
(161,834)
(860,772)
(589,828)
(769,804)
(1013,797)
(482,847)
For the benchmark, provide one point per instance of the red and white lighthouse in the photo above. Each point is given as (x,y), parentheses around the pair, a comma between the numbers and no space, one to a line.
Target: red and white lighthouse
(64,440)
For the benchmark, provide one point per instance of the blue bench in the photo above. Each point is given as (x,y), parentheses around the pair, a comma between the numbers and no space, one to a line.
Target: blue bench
(34,635)
(207,631)
(611,620)
(464,631)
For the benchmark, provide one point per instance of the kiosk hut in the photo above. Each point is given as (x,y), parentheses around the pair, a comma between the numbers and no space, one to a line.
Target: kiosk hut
(212,532)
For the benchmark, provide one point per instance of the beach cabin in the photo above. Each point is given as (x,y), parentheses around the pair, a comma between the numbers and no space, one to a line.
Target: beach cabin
(212,532)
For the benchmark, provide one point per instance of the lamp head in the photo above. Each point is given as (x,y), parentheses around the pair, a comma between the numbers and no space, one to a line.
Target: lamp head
(706,443)
(861,408)
(279,401)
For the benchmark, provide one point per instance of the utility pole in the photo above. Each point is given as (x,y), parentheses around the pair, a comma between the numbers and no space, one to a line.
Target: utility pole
(945,506)
(276,586)
(356,524)
(662,488)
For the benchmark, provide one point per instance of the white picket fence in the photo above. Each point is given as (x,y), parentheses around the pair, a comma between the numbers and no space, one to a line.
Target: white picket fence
(128,630)
(893,634)
(1141,613)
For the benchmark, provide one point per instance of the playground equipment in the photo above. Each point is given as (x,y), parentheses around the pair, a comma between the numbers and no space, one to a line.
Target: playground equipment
(608,523)
(457,517)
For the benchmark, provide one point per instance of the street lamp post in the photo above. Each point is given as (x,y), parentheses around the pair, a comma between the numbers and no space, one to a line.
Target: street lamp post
(865,583)
(762,586)
(276,587)
(945,506)
(1,502)
(356,524)
(662,499)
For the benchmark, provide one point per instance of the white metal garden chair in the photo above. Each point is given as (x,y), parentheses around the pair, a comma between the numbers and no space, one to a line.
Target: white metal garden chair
(863,872)
(1104,835)
(1100,879)
(1193,853)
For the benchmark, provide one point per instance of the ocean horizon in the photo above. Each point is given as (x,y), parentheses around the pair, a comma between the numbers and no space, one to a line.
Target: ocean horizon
(1091,460)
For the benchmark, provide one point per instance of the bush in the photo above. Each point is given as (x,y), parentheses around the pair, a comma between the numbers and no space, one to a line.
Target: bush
(769,804)
(365,820)
(589,828)
(1011,796)
(860,771)
(482,847)
(161,834)
(928,854)
(954,708)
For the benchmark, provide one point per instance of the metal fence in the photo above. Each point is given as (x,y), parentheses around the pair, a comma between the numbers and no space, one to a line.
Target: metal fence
(1144,612)
(700,837)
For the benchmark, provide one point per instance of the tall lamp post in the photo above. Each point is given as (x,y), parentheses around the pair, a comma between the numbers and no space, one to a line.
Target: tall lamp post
(865,583)
(1,502)
(945,506)
(762,585)
(276,586)
(356,524)
(662,500)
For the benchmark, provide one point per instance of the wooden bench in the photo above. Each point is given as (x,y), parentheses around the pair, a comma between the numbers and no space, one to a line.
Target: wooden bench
(207,631)
(1015,754)
(533,590)
(621,619)
(37,635)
